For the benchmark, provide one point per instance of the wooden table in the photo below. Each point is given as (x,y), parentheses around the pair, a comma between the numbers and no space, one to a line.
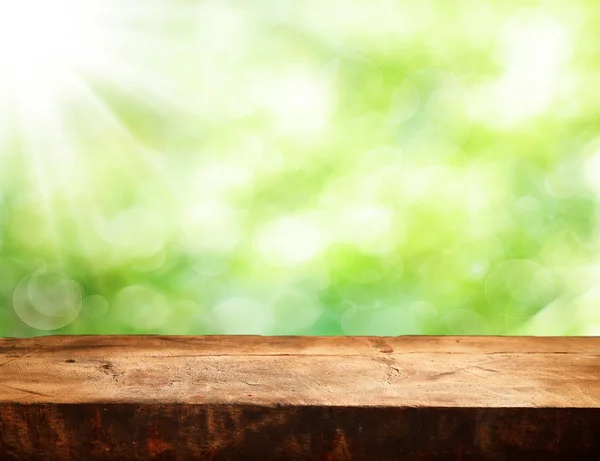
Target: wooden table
(337,398)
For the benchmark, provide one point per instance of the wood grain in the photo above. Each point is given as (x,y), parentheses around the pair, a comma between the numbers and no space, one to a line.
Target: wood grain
(259,398)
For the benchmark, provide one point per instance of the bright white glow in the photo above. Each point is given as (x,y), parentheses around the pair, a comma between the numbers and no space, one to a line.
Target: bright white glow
(71,140)
(290,241)
(210,225)
(368,226)
(534,51)
(591,172)
(47,50)
(299,102)
(41,40)
(218,178)
(591,330)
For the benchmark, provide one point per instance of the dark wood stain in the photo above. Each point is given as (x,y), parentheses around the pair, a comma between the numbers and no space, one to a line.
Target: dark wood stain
(182,432)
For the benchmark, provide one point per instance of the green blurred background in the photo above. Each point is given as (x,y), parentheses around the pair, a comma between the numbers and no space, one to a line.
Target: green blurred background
(321,167)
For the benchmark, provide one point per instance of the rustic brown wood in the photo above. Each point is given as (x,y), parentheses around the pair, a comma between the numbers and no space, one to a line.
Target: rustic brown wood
(260,398)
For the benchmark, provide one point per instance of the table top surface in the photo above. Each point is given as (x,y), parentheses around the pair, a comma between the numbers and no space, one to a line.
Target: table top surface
(406,371)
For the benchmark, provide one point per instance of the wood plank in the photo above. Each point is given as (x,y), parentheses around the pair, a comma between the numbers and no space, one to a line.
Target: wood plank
(259,398)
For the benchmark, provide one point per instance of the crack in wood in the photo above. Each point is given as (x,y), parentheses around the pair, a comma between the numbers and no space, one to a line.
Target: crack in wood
(26,391)
(20,357)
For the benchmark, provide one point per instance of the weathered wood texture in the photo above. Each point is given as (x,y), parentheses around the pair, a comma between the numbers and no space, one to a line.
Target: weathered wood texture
(260,398)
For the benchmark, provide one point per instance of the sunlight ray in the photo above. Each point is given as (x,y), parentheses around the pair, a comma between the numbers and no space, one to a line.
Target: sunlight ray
(62,171)
(29,126)
(111,125)
(44,77)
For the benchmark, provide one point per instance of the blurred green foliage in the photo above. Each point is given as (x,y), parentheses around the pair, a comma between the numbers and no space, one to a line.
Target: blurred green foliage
(320,167)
